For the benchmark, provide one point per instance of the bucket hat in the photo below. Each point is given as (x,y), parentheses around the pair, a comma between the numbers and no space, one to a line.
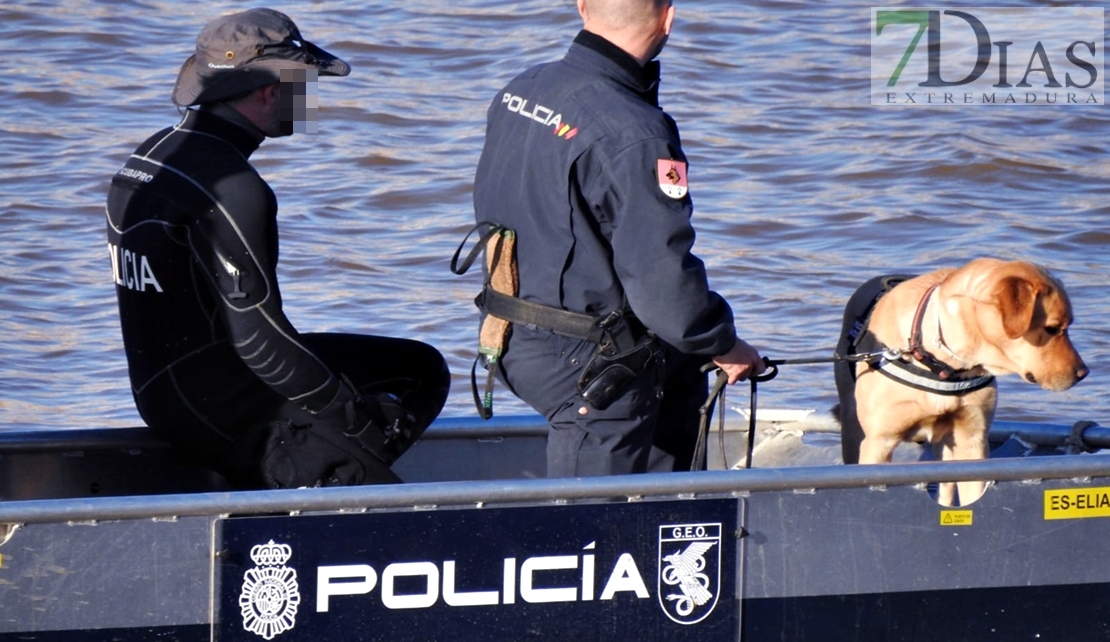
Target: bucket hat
(243,51)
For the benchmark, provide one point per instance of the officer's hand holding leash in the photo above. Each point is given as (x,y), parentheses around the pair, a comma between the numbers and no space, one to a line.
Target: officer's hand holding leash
(727,368)
(741,362)
(729,371)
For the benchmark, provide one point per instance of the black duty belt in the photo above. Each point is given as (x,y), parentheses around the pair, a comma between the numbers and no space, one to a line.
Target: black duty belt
(570,324)
(614,333)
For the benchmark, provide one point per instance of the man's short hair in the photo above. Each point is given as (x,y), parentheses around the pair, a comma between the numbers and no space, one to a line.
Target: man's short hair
(620,14)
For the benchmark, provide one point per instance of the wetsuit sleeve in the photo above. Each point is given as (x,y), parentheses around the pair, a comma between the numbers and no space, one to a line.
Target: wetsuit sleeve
(652,239)
(238,248)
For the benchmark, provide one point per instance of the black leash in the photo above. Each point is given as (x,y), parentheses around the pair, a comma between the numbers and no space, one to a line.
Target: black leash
(717,397)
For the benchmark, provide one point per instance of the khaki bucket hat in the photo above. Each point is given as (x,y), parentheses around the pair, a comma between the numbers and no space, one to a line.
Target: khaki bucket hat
(243,51)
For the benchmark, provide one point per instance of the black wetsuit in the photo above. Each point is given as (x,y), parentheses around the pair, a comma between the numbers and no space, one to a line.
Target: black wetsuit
(192,232)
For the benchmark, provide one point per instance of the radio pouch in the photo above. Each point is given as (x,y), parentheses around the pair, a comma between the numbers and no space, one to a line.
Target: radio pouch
(619,360)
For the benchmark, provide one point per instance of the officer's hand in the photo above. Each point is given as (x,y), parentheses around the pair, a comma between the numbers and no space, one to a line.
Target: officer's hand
(740,363)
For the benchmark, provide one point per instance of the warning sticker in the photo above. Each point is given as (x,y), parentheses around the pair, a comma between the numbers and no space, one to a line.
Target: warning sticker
(955,518)
(1077,503)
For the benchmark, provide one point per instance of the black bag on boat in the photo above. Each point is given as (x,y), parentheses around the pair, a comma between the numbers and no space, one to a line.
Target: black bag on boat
(353,444)
(299,456)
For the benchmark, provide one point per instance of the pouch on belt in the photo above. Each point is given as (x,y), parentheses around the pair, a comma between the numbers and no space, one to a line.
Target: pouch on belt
(499,245)
(625,352)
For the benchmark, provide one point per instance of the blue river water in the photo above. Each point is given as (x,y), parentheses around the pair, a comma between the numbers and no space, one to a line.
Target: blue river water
(803,189)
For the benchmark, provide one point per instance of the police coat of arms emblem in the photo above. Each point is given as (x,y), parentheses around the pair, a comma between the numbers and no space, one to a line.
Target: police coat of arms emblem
(270,595)
(689,570)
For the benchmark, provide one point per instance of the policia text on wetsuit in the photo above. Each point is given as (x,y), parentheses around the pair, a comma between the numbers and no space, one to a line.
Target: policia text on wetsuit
(215,366)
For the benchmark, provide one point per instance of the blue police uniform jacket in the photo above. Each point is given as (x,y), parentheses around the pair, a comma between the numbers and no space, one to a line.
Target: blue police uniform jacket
(572,161)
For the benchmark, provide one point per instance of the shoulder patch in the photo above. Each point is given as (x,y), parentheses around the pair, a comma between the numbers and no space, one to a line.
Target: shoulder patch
(672,177)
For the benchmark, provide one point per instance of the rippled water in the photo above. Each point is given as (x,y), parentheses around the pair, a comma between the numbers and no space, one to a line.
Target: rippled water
(803,190)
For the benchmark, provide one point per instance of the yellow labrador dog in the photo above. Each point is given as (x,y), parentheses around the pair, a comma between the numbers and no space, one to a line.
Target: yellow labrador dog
(944,336)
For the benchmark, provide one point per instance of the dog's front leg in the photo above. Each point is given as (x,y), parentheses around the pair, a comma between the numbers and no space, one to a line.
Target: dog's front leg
(969,443)
(884,417)
(882,433)
(877,450)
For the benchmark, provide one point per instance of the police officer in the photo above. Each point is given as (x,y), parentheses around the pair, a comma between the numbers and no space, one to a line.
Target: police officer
(587,170)
(215,366)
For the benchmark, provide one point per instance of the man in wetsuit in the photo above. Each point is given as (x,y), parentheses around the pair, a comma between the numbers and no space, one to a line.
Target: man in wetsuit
(586,169)
(216,367)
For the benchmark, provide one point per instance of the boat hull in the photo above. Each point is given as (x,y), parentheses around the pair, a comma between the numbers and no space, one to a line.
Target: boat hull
(822,551)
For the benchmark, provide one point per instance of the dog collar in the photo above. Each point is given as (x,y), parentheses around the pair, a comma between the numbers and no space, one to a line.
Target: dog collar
(917,347)
(939,341)
(940,377)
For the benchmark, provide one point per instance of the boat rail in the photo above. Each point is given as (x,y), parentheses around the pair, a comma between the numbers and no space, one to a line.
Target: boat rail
(628,488)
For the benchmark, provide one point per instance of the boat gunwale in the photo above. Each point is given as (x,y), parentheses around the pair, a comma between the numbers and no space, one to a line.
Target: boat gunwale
(432,495)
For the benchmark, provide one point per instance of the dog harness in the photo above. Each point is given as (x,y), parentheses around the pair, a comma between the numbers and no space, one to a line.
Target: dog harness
(936,376)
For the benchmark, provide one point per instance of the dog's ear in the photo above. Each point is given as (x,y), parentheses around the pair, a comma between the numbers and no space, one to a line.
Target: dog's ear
(1016,299)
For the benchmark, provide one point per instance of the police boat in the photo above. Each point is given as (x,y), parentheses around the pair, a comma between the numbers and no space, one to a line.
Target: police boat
(107,535)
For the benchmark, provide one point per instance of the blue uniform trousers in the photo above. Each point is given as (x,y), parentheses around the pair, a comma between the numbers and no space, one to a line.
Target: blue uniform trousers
(651,427)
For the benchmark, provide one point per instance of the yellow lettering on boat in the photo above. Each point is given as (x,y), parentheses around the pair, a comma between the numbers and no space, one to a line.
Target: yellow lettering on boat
(1077,503)
(955,518)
